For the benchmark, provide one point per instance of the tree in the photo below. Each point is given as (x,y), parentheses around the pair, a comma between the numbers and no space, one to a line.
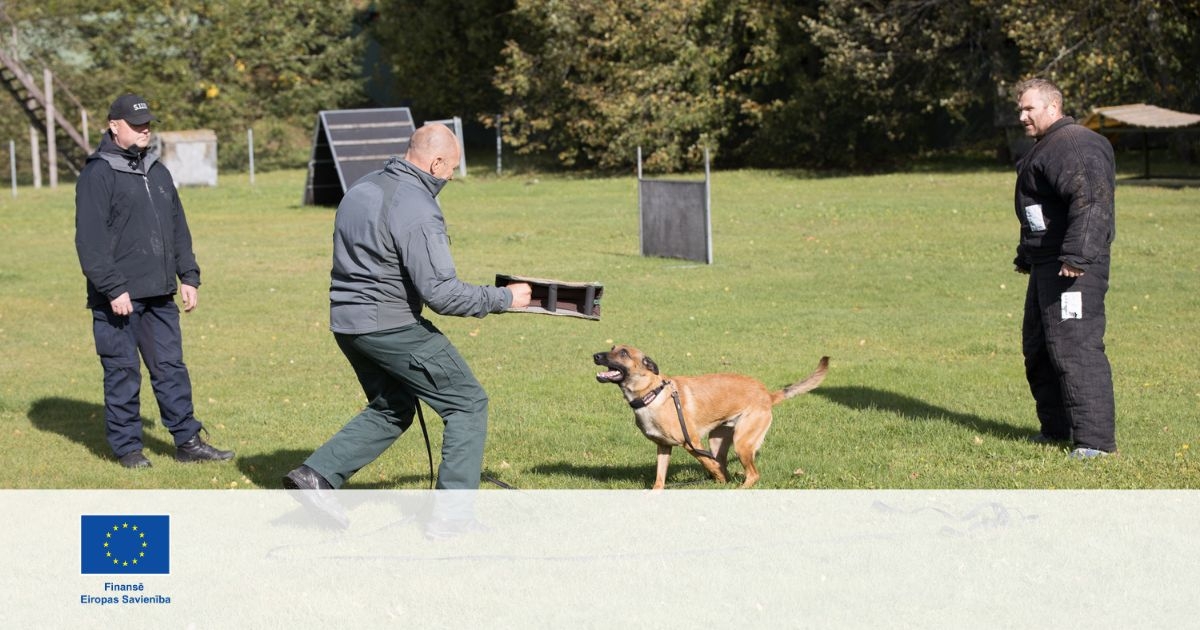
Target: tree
(1107,53)
(443,54)
(227,65)
(920,75)
(824,83)
(590,81)
(926,74)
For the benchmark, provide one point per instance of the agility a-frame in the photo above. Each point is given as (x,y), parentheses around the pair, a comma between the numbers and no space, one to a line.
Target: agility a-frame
(349,143)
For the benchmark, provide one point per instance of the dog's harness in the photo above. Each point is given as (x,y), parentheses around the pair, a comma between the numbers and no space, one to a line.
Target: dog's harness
(638,403)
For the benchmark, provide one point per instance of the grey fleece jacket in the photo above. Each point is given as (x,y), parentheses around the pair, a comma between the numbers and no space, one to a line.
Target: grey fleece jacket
(391,256)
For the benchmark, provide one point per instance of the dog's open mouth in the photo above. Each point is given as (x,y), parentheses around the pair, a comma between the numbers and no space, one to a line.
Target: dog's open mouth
(613,373)
(611,376)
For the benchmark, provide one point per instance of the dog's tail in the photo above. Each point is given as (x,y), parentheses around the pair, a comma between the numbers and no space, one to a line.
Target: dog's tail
(808,384)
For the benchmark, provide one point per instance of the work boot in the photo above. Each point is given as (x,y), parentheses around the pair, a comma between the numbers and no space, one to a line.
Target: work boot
(317,496)
(305,478)
(134,459)
(197,450)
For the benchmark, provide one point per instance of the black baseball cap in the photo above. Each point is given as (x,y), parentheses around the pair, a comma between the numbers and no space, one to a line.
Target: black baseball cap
(132,109)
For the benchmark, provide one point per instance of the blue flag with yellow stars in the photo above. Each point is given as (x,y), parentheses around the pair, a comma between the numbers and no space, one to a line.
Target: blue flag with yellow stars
(125,544)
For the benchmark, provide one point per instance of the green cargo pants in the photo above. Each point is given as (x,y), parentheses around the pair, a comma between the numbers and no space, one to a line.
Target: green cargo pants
(395,367)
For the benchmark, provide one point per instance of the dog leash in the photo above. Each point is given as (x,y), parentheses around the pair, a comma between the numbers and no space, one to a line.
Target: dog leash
(425,433)
(429,451)
(683,425)
(492,480)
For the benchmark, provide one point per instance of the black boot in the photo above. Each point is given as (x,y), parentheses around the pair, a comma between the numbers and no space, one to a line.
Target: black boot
(134,459)
(197,450)
(318,496)
(305,478)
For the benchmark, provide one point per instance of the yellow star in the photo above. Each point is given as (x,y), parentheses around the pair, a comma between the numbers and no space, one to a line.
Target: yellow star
(145,543)
(135,528)
(106,544)
(124,525)
(142,535)
(135,560)
(124,564)
(108,535)
(115,561)
(142,554)
(108,554)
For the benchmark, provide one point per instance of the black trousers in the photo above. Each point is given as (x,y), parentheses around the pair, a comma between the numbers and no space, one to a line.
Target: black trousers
(151,335)
(1068,373)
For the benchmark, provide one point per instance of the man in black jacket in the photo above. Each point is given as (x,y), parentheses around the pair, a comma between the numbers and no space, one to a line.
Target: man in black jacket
(1064,201)
(133,241)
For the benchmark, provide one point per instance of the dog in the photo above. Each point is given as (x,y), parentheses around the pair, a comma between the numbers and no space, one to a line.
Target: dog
(682,410)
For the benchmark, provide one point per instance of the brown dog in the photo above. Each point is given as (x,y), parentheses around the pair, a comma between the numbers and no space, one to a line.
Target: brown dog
(682,410)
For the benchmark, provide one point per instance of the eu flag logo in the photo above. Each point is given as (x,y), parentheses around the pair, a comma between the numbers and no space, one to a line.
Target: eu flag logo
(125,544)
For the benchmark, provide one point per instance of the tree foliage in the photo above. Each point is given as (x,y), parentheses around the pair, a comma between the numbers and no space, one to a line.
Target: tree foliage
(832,83)
(228,65)
(592,80)
(814,83)
(1105,53)
(914,70)
(443,53)
(917,69)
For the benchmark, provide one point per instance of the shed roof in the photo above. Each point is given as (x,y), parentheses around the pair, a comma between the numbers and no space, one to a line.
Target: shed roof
(1138,115)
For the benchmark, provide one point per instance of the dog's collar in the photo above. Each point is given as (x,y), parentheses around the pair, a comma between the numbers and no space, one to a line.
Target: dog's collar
(638,403)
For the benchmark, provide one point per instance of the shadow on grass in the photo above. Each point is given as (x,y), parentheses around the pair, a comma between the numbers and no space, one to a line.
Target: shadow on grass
(865,398)
(684,470)
(83,422)
(266,470)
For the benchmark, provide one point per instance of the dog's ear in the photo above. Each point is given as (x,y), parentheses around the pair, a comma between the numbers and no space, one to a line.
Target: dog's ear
(650,364)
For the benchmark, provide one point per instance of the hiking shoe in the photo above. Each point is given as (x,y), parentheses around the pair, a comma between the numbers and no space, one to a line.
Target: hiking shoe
(134,459)
(197,450)
(1086,453)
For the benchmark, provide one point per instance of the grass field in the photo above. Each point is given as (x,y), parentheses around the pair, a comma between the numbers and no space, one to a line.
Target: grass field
(904,280)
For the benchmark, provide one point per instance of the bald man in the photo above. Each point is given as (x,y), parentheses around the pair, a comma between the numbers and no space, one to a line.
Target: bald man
(391,258)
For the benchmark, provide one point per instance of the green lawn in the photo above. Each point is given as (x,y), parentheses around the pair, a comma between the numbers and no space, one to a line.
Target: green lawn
(904,280)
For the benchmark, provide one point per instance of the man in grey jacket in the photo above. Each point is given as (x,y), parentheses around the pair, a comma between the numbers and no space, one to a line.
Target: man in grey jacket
(391,257)
(1065,204)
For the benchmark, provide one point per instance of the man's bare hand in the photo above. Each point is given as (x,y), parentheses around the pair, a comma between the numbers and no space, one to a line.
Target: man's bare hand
(521,293)
(122,306)
(1069,271)
(189,295)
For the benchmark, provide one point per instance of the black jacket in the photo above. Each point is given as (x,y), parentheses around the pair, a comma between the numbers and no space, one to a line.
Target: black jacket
(130,230)
(1064,197)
